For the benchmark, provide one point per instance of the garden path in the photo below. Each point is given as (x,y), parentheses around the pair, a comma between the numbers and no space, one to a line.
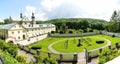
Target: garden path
(1,62)
(30,57)
(81,56)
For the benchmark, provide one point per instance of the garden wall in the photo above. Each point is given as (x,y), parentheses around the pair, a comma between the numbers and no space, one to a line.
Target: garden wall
(74,35)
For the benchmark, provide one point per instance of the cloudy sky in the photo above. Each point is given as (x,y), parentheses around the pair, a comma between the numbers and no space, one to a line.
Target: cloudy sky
(51,9)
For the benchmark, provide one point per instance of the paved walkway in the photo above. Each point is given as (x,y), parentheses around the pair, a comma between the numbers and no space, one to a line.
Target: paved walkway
(32,40)
(1,62)
(30,57)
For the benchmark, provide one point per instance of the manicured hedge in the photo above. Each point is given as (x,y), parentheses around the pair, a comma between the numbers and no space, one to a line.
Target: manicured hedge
(36,47)
(100,41)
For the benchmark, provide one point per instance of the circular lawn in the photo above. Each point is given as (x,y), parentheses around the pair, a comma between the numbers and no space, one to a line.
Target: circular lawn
(70,45)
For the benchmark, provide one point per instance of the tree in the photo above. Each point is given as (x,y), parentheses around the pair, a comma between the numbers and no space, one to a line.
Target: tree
(114,24)
(113,16)
(64,28)
(85,24)
(7,21)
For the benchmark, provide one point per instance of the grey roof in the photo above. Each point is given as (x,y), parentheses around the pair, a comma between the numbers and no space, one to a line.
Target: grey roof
(7,26)
(39,25)
(19,19)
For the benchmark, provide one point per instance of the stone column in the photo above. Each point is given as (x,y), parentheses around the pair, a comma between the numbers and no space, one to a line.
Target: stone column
(75,57)
(38,51)
(100,50)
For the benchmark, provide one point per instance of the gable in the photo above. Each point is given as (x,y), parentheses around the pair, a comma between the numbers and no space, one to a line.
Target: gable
(25,18)
(17,27)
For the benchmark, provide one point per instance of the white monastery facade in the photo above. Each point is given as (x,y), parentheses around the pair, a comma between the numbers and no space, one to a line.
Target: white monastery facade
(23,28)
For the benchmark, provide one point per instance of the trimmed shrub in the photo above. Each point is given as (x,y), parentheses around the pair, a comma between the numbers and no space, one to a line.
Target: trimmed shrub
(113,35)
(99,41)
(52,32)
(85,30)
(91,30)
(36,47)
(70,31)
(80,30)
(61,32)
(21,58)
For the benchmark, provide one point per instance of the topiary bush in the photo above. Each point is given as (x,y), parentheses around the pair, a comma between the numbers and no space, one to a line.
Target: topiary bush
(70,31)
(91,30)
(113,35)
(85,30)
(52,32)
(36,47)
(21,58)
(61,32)
(99,41)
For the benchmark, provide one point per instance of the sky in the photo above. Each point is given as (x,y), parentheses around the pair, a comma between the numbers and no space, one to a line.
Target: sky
(52,9)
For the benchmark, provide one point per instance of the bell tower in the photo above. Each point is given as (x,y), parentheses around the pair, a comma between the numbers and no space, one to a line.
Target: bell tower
(21,18)
(33,19)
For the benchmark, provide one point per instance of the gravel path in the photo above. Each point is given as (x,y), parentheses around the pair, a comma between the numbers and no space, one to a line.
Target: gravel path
(30,57)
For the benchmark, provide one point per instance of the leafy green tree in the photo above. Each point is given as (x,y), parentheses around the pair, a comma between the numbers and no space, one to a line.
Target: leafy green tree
(13,49)
(107,55)
(64,28)
(113,16)
(7,21)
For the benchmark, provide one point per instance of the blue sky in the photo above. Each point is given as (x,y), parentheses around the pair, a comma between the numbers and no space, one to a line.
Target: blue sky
(50,9)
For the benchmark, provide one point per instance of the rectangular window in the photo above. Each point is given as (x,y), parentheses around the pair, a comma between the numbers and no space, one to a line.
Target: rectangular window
(29,25)
(18,37)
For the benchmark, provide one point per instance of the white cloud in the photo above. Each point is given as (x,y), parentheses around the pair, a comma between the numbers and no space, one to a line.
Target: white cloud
(50,9)
(41,16)
(49,5)
(29,10)
(1,20)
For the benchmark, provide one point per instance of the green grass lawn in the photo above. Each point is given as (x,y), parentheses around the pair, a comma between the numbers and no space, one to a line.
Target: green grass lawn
(112,39)
(45,43)
(72,45)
